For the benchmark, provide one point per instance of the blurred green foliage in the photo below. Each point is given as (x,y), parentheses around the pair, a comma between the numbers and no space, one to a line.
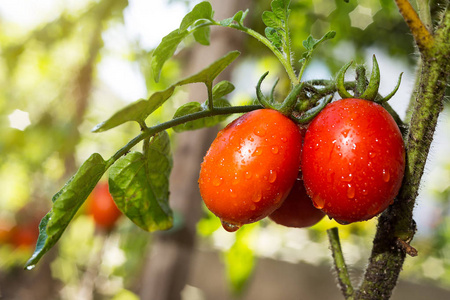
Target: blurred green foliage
(51,73)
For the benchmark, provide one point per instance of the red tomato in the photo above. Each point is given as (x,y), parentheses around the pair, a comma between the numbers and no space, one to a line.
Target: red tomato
(102,207)
(297,210)
(24,235)
(353,160)
(250,167)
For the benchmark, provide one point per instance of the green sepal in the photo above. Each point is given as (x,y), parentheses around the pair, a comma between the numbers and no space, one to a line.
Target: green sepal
(310,114)
(340,87)
(374,83)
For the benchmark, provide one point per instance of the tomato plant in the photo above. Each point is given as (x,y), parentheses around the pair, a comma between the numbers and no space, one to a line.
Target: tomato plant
(101,206)
(353,160)
(250,167)
(297,210)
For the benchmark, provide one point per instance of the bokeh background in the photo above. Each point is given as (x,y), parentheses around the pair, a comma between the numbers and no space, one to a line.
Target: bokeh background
(66,66)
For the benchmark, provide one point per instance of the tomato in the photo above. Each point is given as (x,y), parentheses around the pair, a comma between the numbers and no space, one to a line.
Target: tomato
(250,167)
(353,160)
(24,235)
(101,206)
(297,210)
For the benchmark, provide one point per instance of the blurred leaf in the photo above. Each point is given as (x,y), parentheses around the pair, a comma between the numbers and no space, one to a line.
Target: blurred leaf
(280,8)
(165,50)
(193,107)
(202,34)
(273,36)
(203,10)
(311,43)
(141,109)
(271,20)
(222,88)
(66,203)
(139,184)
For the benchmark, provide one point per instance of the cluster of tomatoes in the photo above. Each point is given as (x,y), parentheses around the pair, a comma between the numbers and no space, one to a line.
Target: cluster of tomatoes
(349,165)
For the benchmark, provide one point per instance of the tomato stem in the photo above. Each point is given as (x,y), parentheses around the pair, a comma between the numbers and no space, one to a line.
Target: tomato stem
(339,263)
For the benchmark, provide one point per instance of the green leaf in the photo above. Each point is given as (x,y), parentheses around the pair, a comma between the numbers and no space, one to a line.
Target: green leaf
(222,88)
(212,71)
(202,34)
(203,10)
(193,107)
(65,204)
(137,111)
(139,184)
(274,37)
(280,8)
(311,43)
(238,18)
(165,50)
(141,109)
(271,20)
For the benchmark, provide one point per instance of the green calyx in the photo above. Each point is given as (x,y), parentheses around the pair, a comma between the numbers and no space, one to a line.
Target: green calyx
(364,90)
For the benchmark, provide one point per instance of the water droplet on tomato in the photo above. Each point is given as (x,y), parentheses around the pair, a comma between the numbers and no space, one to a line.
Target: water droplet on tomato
(258,151)
(372,154)
(272,176)
(351,191)
(345,133)
(283,139)
(347,178)
(229,227)
(248,175)
(274,149)
(260,132)
(253,207)
(278,197)
(318,202)
(386,175)
(365,192)
(217,181)
(257,197)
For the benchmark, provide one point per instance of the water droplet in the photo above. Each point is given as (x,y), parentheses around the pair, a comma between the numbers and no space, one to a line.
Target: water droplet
(232,194)
(248,175)
(365,192)
(253,207)
(283,139)
(257,197)
(251,139)
(260,132)
(347,178)
(345,133)
(235,179)
(318,202)
(272,176)
(31,267)
(372,154)
(278,197)
(274,149)
(258,151)
(229,227)
(217,181)
(386,175)
(351,191)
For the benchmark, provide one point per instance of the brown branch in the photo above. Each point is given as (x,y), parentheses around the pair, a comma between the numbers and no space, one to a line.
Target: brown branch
(424,39)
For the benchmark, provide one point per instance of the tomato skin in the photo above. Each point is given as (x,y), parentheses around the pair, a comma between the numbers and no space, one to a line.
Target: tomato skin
(250,167)
(353,160)
(297,210)
(101,206)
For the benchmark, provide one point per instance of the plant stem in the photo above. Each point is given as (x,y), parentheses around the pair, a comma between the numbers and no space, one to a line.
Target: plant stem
(396,223)
(150,131)
(339,263)
(284,61)
(422,36)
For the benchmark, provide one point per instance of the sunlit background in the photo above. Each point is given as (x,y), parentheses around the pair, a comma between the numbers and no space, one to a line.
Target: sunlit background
(66,66)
